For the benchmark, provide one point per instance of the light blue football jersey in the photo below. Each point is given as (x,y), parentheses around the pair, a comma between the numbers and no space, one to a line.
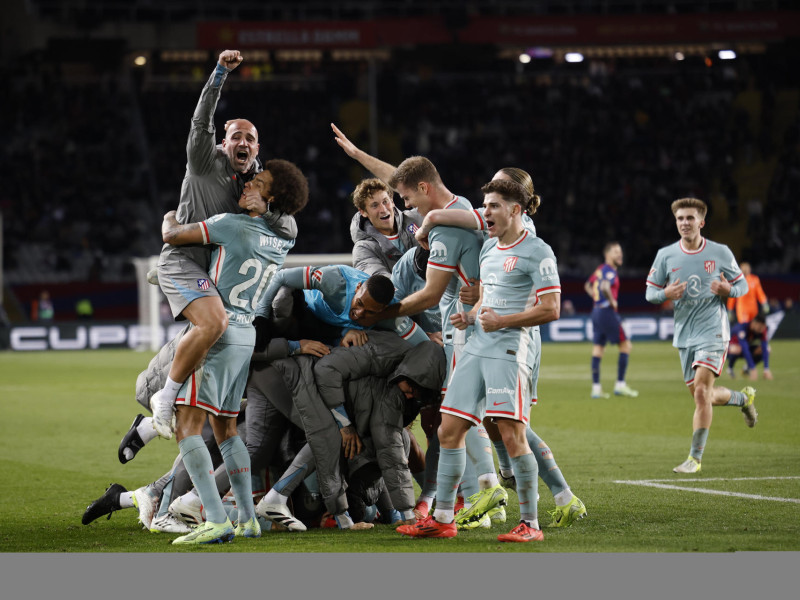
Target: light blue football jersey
(701,318)
(513,277)
(247,255)
(406,281)
(456,251)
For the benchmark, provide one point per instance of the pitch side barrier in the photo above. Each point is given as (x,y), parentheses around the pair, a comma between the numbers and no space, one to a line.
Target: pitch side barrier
(133,335)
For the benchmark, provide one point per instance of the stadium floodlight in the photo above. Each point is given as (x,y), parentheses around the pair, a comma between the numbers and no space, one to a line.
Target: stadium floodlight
(727,55)
(524,58)
(140,60)
(573,57)
(679,56)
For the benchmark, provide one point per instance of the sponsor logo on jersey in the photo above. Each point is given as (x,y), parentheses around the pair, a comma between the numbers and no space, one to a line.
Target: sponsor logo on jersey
(203,284)
(510,263)
(438,251)
(710,265)
(673,270)
(548,267)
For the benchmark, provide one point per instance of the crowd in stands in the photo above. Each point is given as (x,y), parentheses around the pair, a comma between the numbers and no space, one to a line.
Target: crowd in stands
(91,164)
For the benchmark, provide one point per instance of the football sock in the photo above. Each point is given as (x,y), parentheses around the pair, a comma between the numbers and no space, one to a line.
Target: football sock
(622,366)
(596,370)
(699,438)
(294,474)
(503,460)
(469,480)
(431,467)
(126,500)
(527,474)
(146,431)
(198,464)
(564,498)
(479,450)
(237,463)
(171,389)
(737,399)
(546,463)
(451,468)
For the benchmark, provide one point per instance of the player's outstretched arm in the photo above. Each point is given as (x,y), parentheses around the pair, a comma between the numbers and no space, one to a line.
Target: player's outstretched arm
(381,170)
(452,218)
(176,234)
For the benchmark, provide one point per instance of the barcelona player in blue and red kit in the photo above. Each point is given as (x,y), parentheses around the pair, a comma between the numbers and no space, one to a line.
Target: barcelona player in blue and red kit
(603,287)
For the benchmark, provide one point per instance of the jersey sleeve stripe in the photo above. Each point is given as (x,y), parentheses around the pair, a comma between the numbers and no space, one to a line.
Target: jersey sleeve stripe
(410,332)
(548,290)
(307,278)
(479,220)
(441,267)
(737,278)
(204,230)
(661,287)
(218,264)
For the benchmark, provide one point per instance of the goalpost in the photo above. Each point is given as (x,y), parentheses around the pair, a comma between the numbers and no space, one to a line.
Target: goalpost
(156,327)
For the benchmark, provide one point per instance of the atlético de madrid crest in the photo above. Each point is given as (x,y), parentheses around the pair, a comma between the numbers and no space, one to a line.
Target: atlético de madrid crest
(710,265)
(509,264)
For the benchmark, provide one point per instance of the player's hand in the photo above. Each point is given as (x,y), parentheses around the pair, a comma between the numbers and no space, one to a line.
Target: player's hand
(753,375)
(354,337)
(230,59)
(469,294)
(314,348)
(767,374)
(351,443)
(436,336)
(489,320)
(675,290)
(251,200)
(422,238)
(170,215)
(721,288)
(461,320)
(349,147)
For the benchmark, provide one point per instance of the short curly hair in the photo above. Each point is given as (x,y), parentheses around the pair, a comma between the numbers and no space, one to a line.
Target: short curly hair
(289,186)
(366,189)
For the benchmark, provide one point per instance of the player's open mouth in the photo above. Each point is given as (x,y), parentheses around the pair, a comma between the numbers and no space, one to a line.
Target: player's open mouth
(242,156)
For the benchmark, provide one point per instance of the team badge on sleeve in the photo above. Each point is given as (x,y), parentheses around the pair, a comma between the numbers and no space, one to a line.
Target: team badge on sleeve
(710,265)
(203,284)
(412,229)
(316,275)
(510,263)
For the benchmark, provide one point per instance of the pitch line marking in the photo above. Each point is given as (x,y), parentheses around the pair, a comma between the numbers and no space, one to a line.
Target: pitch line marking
(654,483)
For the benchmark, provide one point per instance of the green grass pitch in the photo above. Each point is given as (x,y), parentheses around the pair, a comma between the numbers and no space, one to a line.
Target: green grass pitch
(63,414)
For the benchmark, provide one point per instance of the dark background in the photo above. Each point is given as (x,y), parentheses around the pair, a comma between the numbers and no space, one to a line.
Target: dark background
(94,148)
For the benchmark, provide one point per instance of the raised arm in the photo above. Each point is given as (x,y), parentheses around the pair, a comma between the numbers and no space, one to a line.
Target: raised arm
(381,170)
(201,143)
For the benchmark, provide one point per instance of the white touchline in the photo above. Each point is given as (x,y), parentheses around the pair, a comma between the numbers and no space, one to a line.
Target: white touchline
(655,483)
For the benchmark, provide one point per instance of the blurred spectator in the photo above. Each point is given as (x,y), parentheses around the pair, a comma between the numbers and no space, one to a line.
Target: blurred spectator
(84,309)
(42,308)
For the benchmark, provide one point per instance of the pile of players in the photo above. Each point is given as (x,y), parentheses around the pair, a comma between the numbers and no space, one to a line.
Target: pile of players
(438,319)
